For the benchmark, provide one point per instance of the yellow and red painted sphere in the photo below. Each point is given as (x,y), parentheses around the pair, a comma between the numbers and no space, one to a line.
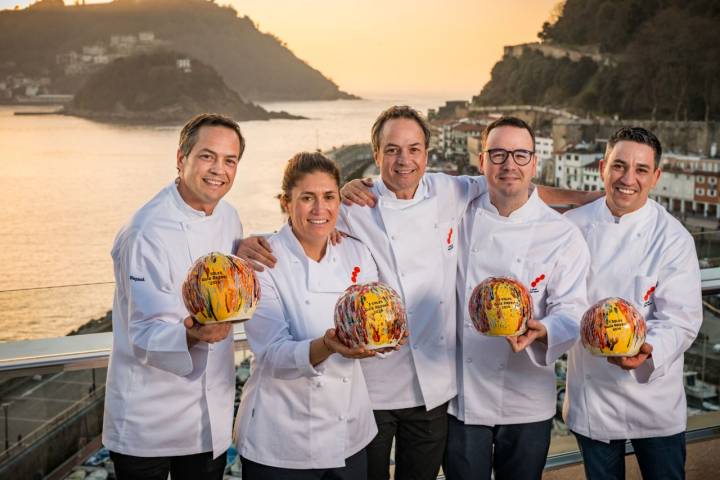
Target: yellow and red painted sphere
(221,288)
(500,306)
(370,315)
(613,328)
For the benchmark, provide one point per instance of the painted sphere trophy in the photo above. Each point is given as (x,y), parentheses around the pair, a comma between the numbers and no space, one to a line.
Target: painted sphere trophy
(500,307)
(370,315)
(613,328)
(220,288)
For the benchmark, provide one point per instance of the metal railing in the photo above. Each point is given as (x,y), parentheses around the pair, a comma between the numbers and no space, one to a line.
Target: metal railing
(92,351)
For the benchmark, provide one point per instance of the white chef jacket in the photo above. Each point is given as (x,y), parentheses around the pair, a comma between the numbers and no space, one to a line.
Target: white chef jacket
(495,385)
(163,399)
(643,249)
(414,244)
(294,415)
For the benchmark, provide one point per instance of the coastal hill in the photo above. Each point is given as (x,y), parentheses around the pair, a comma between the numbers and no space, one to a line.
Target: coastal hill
(160,88)
(651,59)
(53,40)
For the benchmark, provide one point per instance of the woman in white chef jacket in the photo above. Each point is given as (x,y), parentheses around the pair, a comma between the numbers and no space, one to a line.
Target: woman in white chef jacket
(305,411)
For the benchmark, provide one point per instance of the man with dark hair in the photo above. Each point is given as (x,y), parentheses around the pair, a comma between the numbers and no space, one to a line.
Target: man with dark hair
(170,385)
(640,253)
(502,416)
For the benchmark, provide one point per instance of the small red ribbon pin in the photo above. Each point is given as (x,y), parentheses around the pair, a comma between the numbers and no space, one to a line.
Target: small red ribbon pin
(355,272)
(538,280)
(449,238)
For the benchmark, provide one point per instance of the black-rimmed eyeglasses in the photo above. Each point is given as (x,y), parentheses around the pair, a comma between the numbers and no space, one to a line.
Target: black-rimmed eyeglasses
(499,155)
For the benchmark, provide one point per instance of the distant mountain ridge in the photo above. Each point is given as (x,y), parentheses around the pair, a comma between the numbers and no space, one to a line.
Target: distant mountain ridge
(652,59)
(258,66)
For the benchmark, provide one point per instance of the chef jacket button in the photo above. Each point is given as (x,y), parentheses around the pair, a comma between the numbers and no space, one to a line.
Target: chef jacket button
(436,226)
(518,260)
(392,237)
(502,365)
(475,250)
(318,384)
(442,337)
(307,302)
(587,376)
(415,347)
(402,274)
(467,324)
(341,418)
(468,360)
(442,302)
(345,379)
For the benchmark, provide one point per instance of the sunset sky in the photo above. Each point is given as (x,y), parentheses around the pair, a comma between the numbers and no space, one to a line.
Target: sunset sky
(369,47)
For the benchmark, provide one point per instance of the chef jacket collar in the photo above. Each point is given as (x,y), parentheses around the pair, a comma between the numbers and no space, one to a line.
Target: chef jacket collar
(181,205)
(296,248)
(527,212)
(629,218)
(389,199)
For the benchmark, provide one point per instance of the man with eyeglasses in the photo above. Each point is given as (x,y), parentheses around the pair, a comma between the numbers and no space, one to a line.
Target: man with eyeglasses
(502,416)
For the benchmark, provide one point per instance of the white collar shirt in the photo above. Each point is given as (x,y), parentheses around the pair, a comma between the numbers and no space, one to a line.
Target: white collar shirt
(547,253)
(294,415)
(163,399)
(648,258)
(414,245)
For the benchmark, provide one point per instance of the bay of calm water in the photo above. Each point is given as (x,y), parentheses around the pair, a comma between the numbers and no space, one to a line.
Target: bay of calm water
(67,185)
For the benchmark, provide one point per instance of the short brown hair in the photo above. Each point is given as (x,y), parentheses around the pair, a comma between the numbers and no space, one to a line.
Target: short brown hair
(302,164)
(398,111)
(189,133)
(507,122)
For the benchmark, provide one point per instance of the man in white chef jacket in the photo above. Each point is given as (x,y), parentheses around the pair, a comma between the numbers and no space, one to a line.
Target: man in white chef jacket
(170,385)
(643,255)
(502,415)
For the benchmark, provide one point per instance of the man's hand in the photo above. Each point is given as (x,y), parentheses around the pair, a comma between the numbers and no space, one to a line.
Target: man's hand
(631,363)
(213,333)
(256,250)
(336,237)
(358,192)
(334,345)
(535,331)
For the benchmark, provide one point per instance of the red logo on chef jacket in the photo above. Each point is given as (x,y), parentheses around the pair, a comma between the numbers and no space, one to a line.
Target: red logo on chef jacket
(533,285)
(648,295)
(450,242)
(355,272)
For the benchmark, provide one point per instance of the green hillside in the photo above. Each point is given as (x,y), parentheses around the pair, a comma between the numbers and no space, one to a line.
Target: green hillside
(153,89)
(663,61)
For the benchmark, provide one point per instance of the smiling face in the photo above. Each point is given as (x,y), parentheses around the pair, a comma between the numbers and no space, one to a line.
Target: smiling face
(207,172)
(401,156)
(629,173)
(313,207)
(508,182)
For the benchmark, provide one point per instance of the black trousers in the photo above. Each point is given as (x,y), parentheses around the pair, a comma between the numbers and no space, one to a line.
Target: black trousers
(355,469)
(420,437)
(514,452)
(200,466)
